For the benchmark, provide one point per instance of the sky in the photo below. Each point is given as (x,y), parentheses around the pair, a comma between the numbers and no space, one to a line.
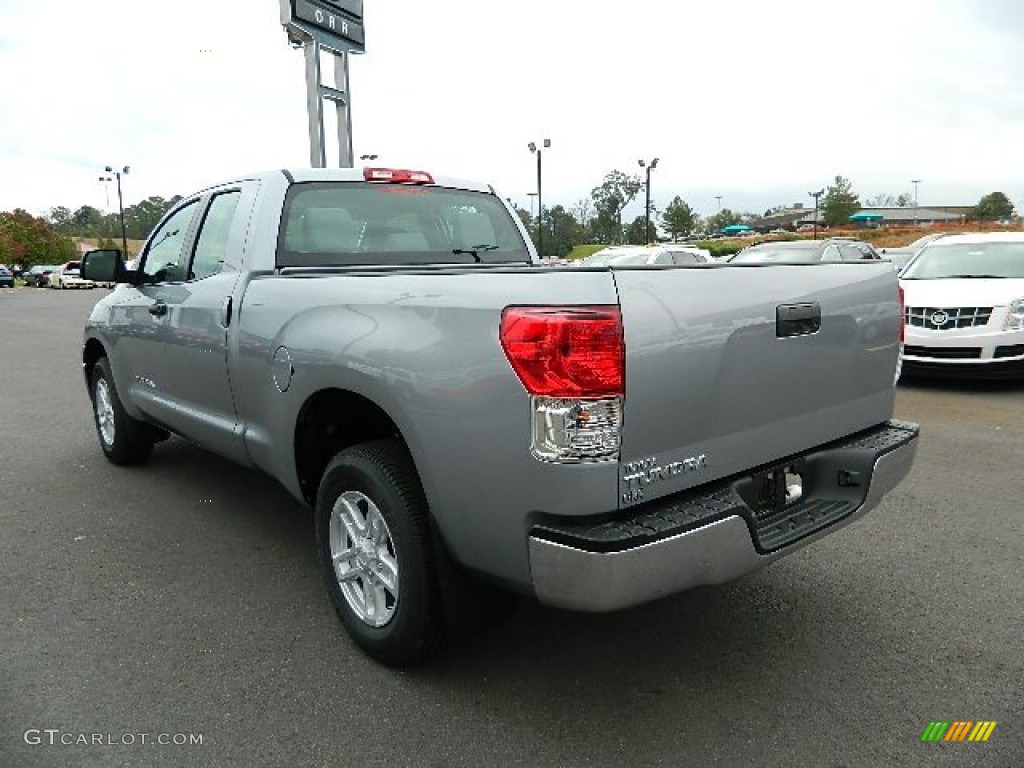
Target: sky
(757,102)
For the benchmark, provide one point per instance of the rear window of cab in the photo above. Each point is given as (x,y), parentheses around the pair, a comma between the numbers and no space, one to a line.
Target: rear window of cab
(360,223)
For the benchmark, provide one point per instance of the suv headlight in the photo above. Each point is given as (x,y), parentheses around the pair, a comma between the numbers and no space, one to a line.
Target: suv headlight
(1015,316)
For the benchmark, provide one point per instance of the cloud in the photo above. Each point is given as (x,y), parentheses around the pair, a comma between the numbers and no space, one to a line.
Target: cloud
(759,101)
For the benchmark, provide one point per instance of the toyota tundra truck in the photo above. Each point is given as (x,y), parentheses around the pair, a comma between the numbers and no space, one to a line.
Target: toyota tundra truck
(387,344)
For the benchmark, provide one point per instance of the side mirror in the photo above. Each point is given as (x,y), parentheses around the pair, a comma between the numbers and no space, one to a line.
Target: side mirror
(104,266)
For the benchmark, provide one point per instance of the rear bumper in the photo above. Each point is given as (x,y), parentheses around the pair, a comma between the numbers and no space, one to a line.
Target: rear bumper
(713,535)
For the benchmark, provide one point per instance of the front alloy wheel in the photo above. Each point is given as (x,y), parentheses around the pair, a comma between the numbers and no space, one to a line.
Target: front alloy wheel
(104,413)
(123,439)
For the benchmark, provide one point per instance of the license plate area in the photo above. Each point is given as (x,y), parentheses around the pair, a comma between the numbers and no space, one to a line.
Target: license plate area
(772,490)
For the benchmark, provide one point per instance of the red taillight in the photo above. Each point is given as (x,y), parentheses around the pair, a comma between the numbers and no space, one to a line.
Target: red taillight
(397,176)
(903,316)
(566,351)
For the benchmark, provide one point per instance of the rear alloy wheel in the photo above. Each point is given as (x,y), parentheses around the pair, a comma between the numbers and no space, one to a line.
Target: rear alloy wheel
(124,440)
(363,554)
(375,548)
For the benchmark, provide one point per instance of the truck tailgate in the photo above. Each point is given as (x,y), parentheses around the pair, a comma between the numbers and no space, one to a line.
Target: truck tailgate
(728,368)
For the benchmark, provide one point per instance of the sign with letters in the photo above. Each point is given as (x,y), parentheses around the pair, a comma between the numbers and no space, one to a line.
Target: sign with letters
(337,24)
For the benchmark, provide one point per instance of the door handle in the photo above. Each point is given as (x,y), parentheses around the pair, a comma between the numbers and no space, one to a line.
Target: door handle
(158,308)
(797,319)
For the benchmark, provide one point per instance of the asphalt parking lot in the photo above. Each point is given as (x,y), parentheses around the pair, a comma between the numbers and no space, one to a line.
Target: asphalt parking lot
(182,598)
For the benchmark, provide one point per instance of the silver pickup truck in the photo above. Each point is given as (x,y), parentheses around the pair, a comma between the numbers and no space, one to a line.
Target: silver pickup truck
(387,345)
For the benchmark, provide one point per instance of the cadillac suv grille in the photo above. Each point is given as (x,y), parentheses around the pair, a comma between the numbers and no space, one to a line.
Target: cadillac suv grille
(948,318)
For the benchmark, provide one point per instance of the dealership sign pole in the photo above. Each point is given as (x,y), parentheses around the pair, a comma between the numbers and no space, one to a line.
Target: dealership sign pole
(335,27)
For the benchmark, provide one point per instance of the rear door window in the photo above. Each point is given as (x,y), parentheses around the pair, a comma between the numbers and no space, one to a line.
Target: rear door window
(358,223)
(212,243)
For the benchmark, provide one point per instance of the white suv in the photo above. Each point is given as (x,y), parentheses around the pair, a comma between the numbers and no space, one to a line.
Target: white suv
(964,297)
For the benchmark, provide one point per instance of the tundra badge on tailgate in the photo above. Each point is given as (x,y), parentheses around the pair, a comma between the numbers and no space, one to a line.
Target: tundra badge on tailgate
(637,474)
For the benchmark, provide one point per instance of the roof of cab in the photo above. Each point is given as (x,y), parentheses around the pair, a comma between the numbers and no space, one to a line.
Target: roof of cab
(356,174)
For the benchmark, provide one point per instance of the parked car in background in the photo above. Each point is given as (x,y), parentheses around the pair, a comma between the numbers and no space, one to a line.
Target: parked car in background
(6,278)
(38,276)
(900,257)
(867,249)
(665,254)
(69,276)
(805,251)
(965,306)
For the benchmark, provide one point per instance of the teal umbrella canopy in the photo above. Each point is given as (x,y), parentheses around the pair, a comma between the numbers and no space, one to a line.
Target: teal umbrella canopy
(734,228)
(865,216)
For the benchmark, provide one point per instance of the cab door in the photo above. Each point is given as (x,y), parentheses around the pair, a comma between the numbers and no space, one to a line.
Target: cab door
(197,383)
(138,328)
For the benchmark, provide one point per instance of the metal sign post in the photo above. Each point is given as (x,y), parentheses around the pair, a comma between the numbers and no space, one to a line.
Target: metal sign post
(335,27)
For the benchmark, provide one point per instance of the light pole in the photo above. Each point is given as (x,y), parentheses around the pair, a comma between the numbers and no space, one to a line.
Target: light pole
(538,151)
(647,208)
(120,207)
(106,191)
(532,196)
(915,182)
(816,195)
(719,199)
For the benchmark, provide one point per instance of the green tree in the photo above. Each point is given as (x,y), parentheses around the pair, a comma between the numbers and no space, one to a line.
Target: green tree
(993,206)
(717,221)
(28,240)
(60,219)
(561,232)
(679,219)
(583,211)
(613,194)
(636,231)
(839,203)
(85,222)
(140,219)
(889,200)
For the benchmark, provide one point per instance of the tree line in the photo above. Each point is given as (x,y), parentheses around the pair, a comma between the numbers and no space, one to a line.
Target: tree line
(597,218)
(28,240)
(840,202)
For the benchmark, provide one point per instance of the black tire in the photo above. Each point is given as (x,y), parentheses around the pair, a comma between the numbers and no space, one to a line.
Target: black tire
(131,440)
(378,479)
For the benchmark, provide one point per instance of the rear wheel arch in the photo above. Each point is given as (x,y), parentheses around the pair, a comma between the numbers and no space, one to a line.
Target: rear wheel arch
(330,421)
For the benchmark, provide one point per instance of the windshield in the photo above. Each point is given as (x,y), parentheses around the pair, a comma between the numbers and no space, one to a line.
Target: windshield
(356,223)
(618,257)
(923,241)
(993,259)
(775,253)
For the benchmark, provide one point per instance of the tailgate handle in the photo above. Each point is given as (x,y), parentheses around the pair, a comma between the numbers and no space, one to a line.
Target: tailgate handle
(797,319)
